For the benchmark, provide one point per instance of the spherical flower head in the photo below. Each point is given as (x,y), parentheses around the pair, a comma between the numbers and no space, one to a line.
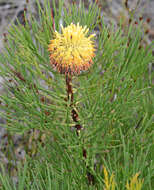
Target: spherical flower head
(72,51)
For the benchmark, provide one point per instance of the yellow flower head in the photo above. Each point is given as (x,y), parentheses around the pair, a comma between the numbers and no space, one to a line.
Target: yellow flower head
(71,51)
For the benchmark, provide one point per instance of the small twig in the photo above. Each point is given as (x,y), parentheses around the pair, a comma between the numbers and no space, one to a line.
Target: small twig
(138,124)
(19,76)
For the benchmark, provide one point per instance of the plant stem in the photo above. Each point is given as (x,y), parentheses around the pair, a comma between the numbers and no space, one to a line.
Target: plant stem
(77,126)
(69,88)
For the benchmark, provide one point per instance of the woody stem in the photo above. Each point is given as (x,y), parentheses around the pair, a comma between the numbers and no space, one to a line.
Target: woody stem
(77,126)
(71,97)
(69,88)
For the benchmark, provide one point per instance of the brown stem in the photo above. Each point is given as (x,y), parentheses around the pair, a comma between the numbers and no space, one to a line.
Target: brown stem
(78,127)
(71,97)
(19,76)
(69,88)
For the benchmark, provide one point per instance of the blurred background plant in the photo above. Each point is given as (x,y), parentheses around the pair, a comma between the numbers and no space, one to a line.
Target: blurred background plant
(114,101)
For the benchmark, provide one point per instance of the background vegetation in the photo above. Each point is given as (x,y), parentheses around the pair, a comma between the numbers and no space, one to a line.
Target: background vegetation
(114,101)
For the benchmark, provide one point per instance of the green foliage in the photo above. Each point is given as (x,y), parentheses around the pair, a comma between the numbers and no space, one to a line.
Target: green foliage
(114,101)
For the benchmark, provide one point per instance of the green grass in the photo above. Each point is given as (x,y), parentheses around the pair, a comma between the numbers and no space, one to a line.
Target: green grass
(114,100)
